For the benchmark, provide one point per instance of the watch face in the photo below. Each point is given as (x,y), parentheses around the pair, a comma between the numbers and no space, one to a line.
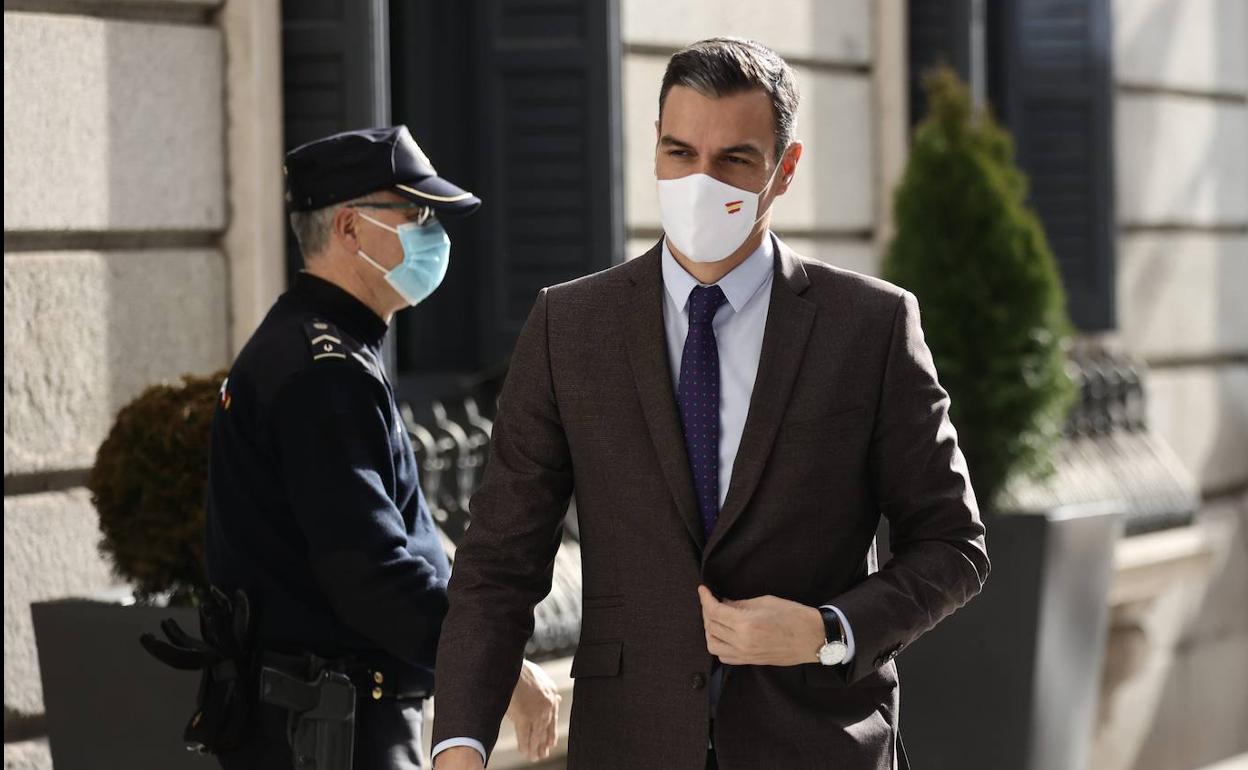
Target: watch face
(832,653)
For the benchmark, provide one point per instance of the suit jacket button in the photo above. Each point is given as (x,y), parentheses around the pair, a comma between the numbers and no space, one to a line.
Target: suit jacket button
(698,680)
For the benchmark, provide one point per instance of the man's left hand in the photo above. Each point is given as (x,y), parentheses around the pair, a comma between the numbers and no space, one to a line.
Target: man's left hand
(534,711)
(765,631)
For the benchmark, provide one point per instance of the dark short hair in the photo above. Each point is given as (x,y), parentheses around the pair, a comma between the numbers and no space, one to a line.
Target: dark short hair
(722,66)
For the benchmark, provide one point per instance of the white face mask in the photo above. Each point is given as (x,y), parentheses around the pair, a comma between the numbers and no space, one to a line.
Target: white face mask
(706,219)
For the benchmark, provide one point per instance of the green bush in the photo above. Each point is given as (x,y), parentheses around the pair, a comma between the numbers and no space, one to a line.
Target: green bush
(994,312)
(148,485)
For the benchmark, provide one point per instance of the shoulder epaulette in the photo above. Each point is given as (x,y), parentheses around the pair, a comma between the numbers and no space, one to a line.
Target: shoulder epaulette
(330,344)
(327,342)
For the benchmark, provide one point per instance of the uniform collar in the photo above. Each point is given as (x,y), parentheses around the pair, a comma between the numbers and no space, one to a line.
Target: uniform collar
(339,307)
(739,286)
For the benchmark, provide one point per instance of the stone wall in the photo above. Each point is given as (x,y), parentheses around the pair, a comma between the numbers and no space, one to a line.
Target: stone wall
(115,178)
(1181,157)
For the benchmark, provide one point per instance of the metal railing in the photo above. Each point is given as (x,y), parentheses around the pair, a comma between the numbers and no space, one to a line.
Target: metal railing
(1109,453)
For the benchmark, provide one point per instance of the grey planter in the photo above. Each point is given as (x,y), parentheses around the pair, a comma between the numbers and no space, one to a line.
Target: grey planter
(1011,681)
(109,704)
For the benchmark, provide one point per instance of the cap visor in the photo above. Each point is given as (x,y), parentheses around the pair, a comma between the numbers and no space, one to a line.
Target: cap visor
(440,195)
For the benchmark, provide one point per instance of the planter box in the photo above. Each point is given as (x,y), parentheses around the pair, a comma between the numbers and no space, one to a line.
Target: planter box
(110,704)
(1011,680)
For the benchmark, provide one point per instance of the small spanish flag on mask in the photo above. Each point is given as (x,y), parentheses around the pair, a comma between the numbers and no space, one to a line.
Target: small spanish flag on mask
(733,206)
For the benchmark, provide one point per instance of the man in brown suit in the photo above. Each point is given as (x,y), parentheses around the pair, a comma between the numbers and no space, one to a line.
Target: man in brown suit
(733,419)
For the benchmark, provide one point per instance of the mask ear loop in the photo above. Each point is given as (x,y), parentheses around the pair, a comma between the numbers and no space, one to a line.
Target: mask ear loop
(382,225)
(770,179)
(360,252)
(369,260)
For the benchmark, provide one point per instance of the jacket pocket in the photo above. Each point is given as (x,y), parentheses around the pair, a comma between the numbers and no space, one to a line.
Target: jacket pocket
(597,659)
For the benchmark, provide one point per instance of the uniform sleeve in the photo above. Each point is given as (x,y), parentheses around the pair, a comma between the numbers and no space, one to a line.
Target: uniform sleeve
(332,427)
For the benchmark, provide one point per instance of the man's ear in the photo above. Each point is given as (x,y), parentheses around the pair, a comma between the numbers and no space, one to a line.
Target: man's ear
(345,228)
(788,167)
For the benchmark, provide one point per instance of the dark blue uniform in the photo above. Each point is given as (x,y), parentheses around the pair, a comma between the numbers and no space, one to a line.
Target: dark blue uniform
(315,510)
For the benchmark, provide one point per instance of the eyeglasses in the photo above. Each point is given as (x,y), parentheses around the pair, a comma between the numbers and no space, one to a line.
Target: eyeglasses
(424,214)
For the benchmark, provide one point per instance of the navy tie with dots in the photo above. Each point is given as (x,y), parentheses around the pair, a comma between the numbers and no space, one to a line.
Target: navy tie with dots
(698,397)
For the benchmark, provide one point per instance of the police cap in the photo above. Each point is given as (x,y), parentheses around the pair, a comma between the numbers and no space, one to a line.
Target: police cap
(351,164)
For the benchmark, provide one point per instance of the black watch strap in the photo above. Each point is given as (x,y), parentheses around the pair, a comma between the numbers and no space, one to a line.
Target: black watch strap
(832,629)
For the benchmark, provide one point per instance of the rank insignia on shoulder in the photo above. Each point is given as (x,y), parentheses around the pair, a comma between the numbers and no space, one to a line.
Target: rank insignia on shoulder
(326,340)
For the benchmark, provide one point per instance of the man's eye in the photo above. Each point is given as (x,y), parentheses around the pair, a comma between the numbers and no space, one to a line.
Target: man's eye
(678,153)
(737,161)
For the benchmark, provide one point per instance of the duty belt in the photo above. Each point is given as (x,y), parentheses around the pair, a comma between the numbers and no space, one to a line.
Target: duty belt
(372,682)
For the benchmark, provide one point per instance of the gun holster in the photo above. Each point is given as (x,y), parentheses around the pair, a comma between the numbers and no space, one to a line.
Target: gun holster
(321,726)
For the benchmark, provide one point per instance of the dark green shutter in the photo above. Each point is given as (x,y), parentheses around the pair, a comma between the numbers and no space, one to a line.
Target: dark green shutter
(548,116)
(939,32)
(1051,83)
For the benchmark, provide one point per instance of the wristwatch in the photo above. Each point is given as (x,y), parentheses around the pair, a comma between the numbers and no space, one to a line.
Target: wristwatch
(834,649)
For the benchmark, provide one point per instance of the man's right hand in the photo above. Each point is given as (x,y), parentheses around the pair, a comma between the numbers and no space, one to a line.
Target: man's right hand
(458,758)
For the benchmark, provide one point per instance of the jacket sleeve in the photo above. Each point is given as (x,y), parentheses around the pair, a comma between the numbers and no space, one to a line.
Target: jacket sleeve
(332,427)
(920,481)
(505,561)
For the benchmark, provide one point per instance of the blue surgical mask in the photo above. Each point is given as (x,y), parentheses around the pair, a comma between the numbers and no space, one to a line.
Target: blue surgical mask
(426,256)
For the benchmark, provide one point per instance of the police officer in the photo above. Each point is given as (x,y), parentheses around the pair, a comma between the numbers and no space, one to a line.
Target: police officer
(314,507)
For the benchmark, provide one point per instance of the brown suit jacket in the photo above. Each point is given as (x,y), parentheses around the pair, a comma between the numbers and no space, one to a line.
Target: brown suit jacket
(847,422)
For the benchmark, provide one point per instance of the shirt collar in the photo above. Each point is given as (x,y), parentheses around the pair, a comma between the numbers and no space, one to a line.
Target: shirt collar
(739,286)
(339,307)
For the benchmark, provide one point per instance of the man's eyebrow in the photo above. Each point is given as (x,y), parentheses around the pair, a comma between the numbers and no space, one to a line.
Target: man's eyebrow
(668,139)
(746,148)
(742,149)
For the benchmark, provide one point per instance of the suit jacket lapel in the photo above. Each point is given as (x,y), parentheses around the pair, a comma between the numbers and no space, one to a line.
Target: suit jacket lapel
(789,321)
(641,312)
